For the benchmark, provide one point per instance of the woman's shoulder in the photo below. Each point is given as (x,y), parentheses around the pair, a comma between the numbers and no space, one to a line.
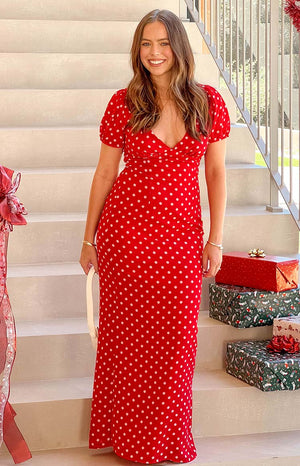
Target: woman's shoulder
(215,99)
(119,97)
(211,91)
(117,103)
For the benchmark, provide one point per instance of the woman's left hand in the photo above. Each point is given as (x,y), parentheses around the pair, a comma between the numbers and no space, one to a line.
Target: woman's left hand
(211,260)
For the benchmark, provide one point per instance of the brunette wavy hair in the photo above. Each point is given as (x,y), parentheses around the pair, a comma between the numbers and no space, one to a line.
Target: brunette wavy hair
(191,100)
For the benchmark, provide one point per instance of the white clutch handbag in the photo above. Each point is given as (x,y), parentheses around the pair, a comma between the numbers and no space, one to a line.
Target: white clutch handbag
(93,330)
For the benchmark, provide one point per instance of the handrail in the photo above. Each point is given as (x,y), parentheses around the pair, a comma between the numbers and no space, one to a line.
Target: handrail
(256,49)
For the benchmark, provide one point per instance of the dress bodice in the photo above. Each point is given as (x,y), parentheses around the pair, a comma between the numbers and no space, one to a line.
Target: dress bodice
(115,132)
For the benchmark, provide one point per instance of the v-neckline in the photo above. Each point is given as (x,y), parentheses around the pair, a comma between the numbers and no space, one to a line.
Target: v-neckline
(162,142)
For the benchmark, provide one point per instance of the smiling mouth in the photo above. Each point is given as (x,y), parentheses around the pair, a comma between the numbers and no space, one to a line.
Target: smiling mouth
(156,62)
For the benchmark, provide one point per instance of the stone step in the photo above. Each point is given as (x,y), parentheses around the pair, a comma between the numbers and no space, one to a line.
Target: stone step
(64,350)
(56,290)
(62,107)
(67,190)
(83,10)
(213,337)
(57,237)
(32,36)
(81,71)
(79,147)
(268,449)
(66,346)
(55,413)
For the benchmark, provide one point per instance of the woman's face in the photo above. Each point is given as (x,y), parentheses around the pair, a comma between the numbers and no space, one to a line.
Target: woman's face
(156,53)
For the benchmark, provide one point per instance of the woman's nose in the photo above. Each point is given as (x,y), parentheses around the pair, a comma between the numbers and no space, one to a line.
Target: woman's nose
(155,50)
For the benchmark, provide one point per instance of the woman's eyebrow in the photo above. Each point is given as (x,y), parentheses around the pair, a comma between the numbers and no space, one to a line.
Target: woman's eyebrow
(158,40)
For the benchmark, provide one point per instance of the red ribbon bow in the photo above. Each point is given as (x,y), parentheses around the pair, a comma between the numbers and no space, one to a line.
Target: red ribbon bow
(292,8)
(282,343)
(11,209)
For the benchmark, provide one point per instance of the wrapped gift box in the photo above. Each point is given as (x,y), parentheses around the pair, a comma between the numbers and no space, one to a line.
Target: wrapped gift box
(245,307)
(288,326)
(251,362)
(271,273)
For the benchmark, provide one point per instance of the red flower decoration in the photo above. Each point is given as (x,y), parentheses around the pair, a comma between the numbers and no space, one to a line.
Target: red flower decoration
(292,8)
(281,343)
(11,209)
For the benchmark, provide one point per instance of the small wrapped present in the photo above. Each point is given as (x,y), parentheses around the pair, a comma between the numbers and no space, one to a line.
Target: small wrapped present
(287,326)
(247,307)
(255,270)
(251,362)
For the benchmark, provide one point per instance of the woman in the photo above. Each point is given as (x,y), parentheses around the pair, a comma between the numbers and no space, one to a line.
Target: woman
(150,255)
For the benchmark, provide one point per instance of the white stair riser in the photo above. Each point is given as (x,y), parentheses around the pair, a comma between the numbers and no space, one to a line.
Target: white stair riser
(104,10)
(61,107)
(245,410)
(53,357)
(240,145)
(60,241)
(41,357)
(65,424)
(33,36)
(69,191)
(213,339)
(47,297)
(80,71)
(79,147)
(54,297)
(54,424)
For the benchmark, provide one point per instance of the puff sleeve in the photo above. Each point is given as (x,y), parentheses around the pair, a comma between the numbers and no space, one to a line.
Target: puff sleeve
(114,121)
(220,117)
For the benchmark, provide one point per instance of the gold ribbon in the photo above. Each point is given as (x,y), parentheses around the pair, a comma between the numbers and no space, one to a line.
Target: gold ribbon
(256,253)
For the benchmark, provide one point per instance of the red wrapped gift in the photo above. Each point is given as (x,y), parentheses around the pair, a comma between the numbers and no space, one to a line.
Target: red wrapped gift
(271,273)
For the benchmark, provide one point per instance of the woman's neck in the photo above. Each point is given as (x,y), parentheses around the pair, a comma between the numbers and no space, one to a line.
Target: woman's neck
(162,87)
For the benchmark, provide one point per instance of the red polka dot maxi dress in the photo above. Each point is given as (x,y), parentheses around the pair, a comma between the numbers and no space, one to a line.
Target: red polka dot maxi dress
(149,243)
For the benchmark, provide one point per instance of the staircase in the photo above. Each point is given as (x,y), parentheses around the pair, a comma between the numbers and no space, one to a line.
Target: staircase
(61,62)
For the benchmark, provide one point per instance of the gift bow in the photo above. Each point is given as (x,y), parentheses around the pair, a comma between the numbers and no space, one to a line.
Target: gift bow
(281,343)
(11,209)
(256,253)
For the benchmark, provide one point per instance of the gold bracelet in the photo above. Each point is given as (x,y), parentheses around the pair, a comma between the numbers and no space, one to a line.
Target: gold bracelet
(217,245)
(88,243)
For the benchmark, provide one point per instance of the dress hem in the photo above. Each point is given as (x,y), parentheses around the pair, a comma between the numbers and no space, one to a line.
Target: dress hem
(143,462)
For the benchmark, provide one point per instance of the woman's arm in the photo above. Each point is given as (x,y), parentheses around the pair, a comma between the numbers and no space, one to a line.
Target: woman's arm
(216,189)
(105,175)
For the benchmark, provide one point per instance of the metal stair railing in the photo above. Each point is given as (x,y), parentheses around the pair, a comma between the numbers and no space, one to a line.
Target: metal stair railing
(256,49)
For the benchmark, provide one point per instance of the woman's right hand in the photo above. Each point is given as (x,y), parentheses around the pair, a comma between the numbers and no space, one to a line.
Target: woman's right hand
(88,258)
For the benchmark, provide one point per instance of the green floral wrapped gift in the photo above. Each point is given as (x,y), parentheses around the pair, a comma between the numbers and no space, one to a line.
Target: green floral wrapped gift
(246,307)
(251,362)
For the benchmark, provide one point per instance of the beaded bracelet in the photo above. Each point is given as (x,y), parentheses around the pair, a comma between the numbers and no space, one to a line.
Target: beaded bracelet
(217,245)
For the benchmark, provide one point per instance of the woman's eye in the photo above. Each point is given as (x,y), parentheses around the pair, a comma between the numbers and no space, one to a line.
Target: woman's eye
(145,44)
(164,44)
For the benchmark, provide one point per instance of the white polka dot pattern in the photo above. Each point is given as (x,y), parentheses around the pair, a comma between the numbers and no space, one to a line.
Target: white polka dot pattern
(149,242)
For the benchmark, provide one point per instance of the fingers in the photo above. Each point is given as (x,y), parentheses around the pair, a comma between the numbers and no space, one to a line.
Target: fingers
(204,263)
(88,259)
(211,261)
(212,271)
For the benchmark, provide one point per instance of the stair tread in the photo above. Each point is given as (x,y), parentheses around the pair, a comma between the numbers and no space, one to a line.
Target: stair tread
(230,450)
(72,170)
(61,326)
(81,216)
(75,325)
(80,387)
(44,270)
